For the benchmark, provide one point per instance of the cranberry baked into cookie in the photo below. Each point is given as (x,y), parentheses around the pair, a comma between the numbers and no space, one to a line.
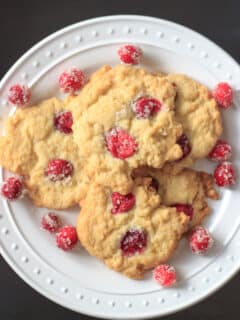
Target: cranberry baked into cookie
(124,118)
(130,233)
(38,145)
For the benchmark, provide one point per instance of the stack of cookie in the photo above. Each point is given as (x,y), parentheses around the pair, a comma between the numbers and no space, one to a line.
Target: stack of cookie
(139,134)
(121,149)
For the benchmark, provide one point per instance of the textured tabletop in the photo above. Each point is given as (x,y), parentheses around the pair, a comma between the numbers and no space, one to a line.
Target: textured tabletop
(25,22)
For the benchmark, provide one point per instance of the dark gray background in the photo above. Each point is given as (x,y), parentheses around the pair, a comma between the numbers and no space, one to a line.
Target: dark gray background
(22,24)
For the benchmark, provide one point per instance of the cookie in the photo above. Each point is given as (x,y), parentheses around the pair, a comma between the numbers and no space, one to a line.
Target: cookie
(131,233)
(38,145)
(124,118)
(198,112)
(187,191)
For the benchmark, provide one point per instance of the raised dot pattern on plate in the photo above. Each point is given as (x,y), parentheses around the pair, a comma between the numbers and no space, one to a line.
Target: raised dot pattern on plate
(127,30)
(24,259)
(95,301)
(128,304)
(160,34)
(63,45)
(144,31)
(24,75)
(49,54)
(161,300)
(14,246)
(191,45)
(191,288)
(204,54)
(5,231)
(146,303)
(37,271)
(50,281)
(111,303)
(231,258)
(36,64)
(206,279)
(217,65)
(94,33)
(79,38)
(219,269)
(79,296)
(64,290)
(110,31)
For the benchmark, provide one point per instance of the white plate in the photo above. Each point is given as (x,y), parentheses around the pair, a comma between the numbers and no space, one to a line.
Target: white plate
(74,279)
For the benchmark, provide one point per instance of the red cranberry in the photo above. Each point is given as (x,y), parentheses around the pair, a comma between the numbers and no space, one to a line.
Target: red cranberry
(133,242)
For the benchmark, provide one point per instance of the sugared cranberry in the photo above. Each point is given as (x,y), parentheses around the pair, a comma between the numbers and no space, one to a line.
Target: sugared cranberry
(51,222)
(185,208)
(122,203)
(130,54)
(185,145)
(66,238)
(72,81)
(58,169)
(12,188)
(133,242)
(146,107)
(165,275)
(222,151)
(120,143)
(200,240)
(19,95)
(223,94)
(224,174)
(63,121)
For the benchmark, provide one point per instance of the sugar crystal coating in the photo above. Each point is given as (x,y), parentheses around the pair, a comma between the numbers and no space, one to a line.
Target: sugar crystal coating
(222,151)
(12,188)
(122,203)
(130,54)
(224,174)
(165,275)
(145,107)
(63,121)
(72,81)
(223,94)
(66,238)
(19,95)
(133,242)
(200,240)
(51,222)
(120,144)
(58,169)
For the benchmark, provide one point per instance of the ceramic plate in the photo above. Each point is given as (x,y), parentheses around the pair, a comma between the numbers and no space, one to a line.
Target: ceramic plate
(74,279)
